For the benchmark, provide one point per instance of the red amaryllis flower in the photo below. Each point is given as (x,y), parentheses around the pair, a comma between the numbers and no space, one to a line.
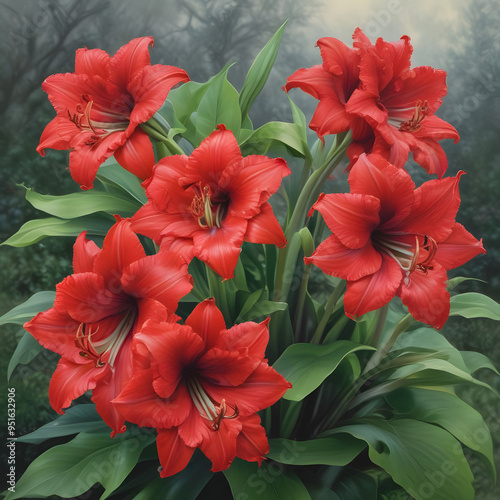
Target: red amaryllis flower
(371,90)
(392,239)
(207,204)
(202,388)
(100,106)
(399,104)
(97,311)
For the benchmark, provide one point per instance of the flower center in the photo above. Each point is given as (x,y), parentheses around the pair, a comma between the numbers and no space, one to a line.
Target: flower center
(105,350)
(98,130)
(414,123)
(411,252)
(207,406)
(205,210)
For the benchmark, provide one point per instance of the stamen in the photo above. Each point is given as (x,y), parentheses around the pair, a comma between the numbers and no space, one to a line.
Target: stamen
(415,122)
(207,406)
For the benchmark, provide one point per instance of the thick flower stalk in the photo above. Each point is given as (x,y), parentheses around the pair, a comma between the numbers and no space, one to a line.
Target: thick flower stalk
(392,239)
(98,310)
(207,204)
(101,105)
(373,91)
(200,385)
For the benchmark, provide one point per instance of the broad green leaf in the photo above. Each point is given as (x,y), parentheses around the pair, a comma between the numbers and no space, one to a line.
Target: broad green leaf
(425,340)
(433,373)
(339,449)
(427,461)
(71,206)
(475,361)
(24,353)
(40,301)
(268,482)
(79,418)
(259,72)
(449,412)
(71,469)
(115,178)
(454,282)
(305,366)
(181,485)
(474,305)
(167,111)
(218,106)
(35,230)
(274,134)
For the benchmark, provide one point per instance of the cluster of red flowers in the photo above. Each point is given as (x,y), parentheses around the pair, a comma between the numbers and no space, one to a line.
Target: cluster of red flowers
(114,322)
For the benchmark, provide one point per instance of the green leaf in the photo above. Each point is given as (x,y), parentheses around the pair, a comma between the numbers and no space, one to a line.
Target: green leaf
(336,450)
(35,230)
(305,366)
(449,412)
(40,301)
(268,482)
(218,106)
(79,418)
(275,134)
(116,179)
(26,350)
(259,72)
(71,206)
(474,305)
(454,282)
(356,486)
(71,469)
(475,361)
(427,461)
(181,485)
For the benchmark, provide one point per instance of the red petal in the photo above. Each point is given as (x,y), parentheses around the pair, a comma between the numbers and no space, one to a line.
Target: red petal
(330,117)
(120,248)
(141,405)
(150,87)
(335,259)
(351,217)
(435,208)
(173,348)
(150,222)
(394,188)
(56,331)
(373,291)
(367,105)
(249,336)
(174,455)
(426,296)
(251,182)
(84,253)
(458,248)
(137,155)
(70,381)
(50,136)
(207,162)
(92,62)
(208,322)
(220,446)
(261,389)
(315,81)
(265,228)
(163,276)
(86,300)
(226,367)
(252,442)
(220,247)
(65,91)
(129,59)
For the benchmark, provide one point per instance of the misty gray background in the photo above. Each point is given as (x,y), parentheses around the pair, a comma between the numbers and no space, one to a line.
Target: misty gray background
(39,38)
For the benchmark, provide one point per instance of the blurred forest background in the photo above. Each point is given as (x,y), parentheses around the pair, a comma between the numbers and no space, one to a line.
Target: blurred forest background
(39,38)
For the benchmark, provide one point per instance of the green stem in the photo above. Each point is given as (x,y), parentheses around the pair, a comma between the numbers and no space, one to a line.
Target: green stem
(379,328)
(304,202)
(297,322)
(157,133)
(329,307)
(383,350)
